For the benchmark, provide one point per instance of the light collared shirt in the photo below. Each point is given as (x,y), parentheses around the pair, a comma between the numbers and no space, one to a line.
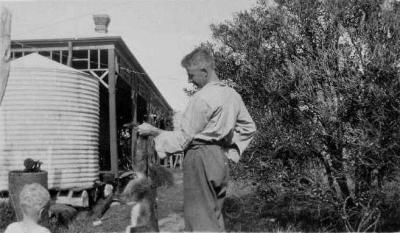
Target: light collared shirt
(215,113)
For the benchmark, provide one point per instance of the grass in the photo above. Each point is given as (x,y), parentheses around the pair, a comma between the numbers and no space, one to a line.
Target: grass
(283,213)
(117,218)
(255,215)
(248,212)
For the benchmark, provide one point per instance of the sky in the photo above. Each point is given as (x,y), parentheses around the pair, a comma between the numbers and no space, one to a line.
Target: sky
(158,32)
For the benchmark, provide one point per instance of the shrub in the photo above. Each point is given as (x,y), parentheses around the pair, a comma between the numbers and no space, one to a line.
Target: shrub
(7,215)
(320,79)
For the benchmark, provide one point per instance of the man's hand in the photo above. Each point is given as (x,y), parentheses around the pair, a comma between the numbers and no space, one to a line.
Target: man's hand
(232,154)
(146,129)
(161,155)
(130,125)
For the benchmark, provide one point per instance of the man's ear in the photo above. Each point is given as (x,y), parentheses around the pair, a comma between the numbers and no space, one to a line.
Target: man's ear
(44,212)
(205,72)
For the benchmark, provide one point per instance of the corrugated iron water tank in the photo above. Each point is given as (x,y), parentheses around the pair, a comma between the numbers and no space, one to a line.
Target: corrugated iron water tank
(50,112)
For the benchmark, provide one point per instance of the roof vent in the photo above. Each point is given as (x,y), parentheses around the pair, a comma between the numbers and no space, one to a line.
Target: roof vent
(101,22)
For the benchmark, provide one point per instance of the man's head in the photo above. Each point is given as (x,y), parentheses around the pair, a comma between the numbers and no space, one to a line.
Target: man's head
(200,66)
(33,199)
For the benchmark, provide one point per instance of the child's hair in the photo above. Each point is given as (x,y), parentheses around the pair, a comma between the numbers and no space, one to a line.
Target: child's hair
(33,198)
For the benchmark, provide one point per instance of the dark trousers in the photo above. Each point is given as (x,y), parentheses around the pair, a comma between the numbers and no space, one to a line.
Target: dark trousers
(205,177)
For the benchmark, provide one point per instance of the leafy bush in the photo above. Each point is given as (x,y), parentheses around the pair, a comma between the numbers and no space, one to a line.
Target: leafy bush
(320,79)
(7,215)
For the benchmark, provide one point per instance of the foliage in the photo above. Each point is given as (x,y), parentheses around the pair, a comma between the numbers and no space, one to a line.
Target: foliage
(321,80)
(125,144)
(32,165)
(7,215)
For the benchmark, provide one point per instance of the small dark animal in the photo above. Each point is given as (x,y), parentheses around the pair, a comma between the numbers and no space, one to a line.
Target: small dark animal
(32,165)
(61,215)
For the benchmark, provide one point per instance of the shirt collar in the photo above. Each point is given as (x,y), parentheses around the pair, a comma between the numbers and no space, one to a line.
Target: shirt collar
(219,83)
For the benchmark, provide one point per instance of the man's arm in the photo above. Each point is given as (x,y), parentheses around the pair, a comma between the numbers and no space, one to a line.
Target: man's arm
(244,131)
(146,129)
(193,121)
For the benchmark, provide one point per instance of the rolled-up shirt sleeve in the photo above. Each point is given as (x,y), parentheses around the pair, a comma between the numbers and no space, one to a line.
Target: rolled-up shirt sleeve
(194,120)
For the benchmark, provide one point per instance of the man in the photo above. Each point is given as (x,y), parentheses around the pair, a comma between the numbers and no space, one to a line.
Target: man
(215,126)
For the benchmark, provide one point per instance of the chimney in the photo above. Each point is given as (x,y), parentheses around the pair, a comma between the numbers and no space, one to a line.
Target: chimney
(101,22)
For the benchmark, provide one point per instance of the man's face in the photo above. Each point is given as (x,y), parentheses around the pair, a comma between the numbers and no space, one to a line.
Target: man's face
(198,77)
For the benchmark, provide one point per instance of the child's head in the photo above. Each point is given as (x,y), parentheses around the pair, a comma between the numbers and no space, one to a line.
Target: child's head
(33,198)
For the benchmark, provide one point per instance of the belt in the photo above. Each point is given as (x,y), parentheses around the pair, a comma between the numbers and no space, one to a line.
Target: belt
(204,142)
(199,142)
